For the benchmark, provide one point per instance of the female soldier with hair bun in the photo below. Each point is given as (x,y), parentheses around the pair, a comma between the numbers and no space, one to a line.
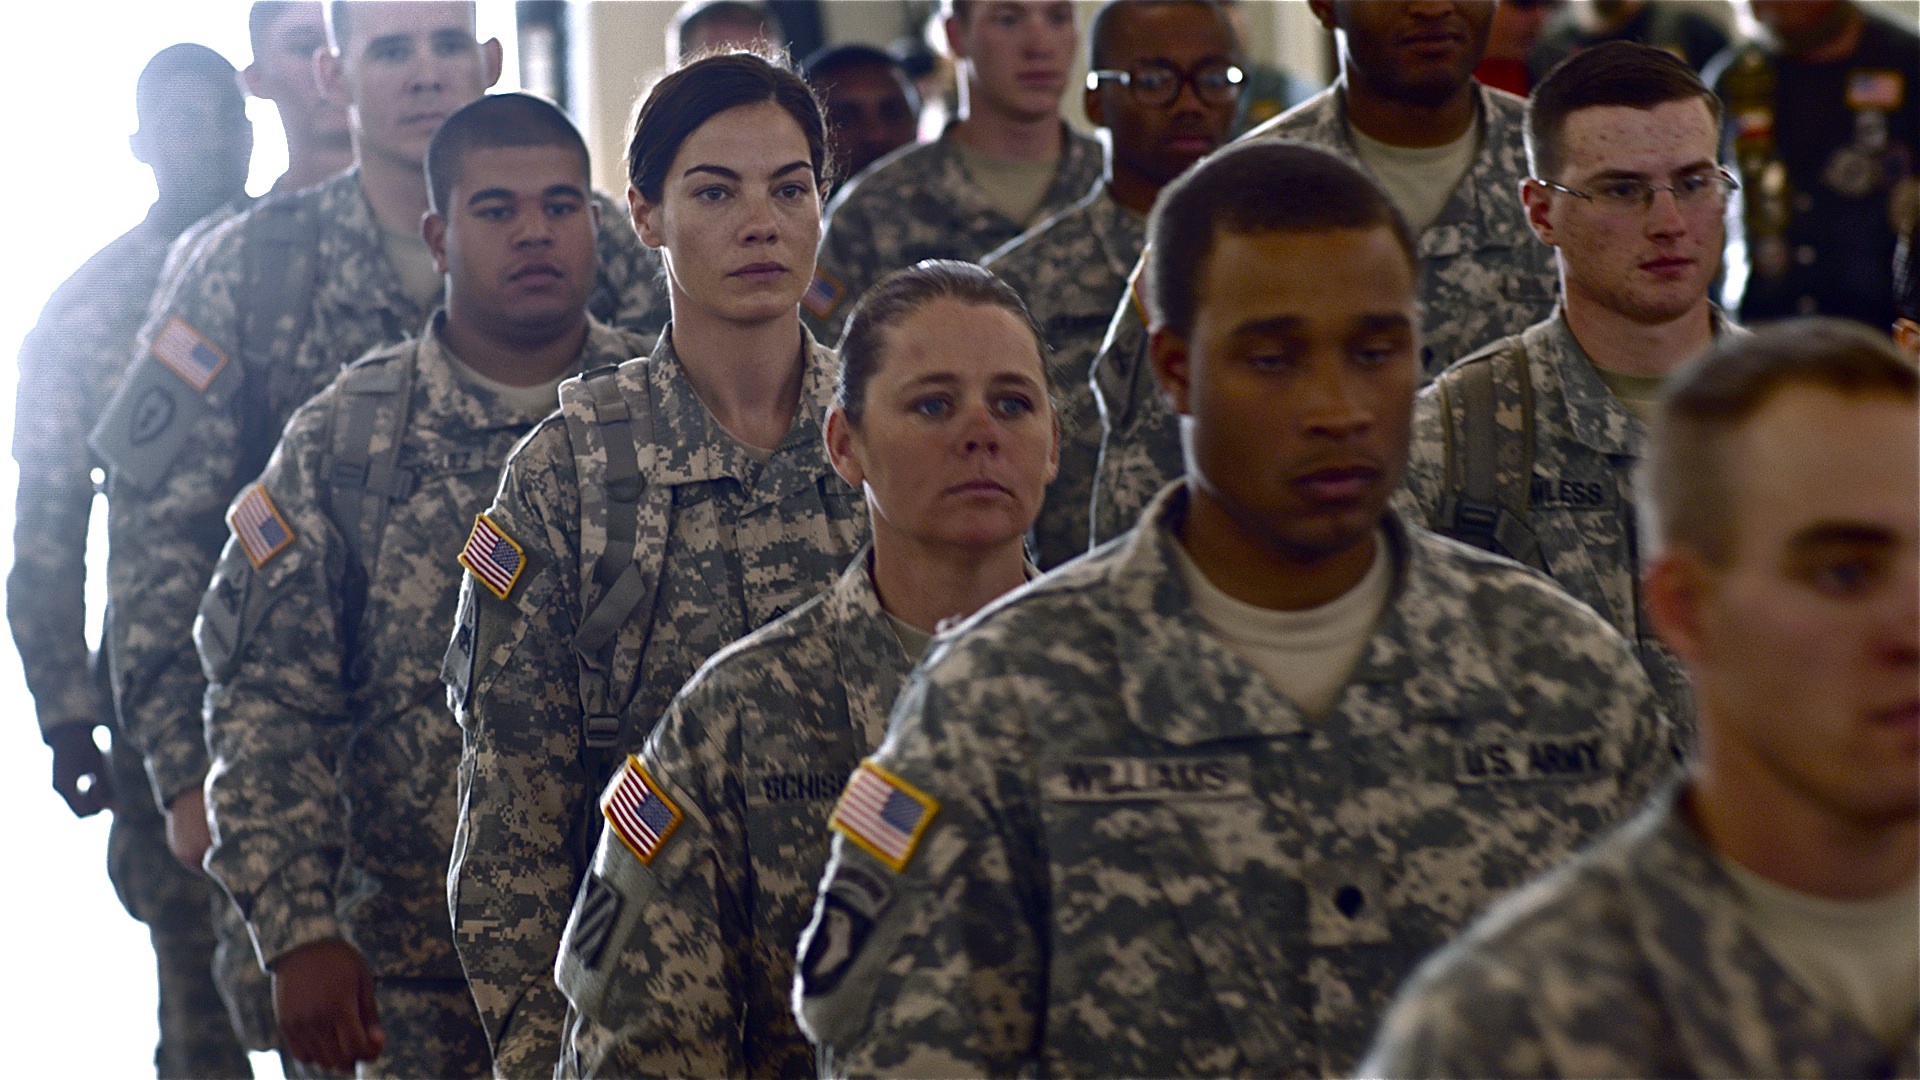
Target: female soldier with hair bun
(943,417)
(675,503)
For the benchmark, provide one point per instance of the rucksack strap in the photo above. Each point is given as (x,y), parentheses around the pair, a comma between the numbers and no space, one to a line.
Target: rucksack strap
(283,237)
(362,486)
(1477,508)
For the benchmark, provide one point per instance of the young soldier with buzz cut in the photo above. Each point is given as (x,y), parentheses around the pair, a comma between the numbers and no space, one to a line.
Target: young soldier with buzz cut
(1163,82)
(1449,154)
(1006,164)
(1527,448)
(266,313)
(334,754)
(1195,804)
(1758,918)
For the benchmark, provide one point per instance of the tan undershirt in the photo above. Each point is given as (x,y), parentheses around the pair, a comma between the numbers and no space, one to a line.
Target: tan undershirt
(1419,179)
(534,401)
(413,262)
(1640,393)
(1015,188)
(1308,655)
(1860,956)
(913,639)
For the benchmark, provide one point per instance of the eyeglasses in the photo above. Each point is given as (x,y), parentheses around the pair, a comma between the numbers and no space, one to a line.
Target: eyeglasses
(1157,83)
(1632,195)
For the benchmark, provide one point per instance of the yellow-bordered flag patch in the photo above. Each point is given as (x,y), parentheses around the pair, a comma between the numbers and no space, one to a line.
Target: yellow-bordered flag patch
(639,813)
(189,355)
(257,524)
(823,295)
(884,814)
(493,556)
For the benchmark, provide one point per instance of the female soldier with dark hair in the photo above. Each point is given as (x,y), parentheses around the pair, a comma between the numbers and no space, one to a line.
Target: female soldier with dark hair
(943,417)
(675,503)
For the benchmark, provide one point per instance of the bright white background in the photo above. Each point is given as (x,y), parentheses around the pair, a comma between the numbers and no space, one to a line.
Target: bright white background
(81,997)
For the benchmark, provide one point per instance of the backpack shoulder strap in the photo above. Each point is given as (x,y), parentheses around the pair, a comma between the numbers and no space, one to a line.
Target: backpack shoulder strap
(362,484)
(1485,505)
(283,238)
(617,578)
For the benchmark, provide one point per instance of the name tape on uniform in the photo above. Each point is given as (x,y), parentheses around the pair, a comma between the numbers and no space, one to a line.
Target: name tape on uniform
(639,813)
(495,558)
(883,814)
(258,526)
(191,356)
(1119,779)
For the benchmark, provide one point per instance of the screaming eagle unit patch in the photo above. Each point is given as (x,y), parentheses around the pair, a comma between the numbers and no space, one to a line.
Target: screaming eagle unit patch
(257,525)
(495,558)
(883,814)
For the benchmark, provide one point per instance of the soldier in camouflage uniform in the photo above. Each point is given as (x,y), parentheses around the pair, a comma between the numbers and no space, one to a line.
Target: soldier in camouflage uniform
(1165,96)
(953,198)
(332,785)
(194,134)
(635,534)
(1560,424)
(273,305)
(1110,835)
(1728,930)
(679,958)
(1482,274)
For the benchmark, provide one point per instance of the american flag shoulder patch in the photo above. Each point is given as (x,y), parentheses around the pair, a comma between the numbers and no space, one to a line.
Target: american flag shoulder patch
(823,295)
(638,812)
(189,355)
(495,558)
(883,814)
(258,526)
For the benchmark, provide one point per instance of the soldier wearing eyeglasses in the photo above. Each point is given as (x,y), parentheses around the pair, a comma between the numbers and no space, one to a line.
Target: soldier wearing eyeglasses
(1164,79)
(1526,448)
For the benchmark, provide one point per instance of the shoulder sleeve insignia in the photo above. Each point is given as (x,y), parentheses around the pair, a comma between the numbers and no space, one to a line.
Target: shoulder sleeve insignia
(639,813)
(191,356)
(824,295)
(883,814)
(257,524)
(493,556)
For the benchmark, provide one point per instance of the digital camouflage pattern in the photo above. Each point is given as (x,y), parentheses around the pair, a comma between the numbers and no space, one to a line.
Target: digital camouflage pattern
(1586,446)
(754,751)
(334,755)
(1072,270)
(744,544)
(1635,959)
(70,364)
(1483,276)
(919,203)
(165,537)
(1146,861)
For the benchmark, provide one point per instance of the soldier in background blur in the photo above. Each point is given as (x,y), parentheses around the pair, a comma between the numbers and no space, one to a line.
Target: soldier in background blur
(1517,26)
(195,136)
(873,108)
(1677,28)
(1825,126)
(707,25)
(1906,293)
(1163,82)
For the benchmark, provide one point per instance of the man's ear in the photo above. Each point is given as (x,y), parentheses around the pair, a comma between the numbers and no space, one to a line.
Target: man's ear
(330,72)
(1172,367)
(250,80)
(1906,334)
(1676,587)
(1537,198)
(956,32)
(433,229)
(839,439)
(1095,104)
(644,215)
(490,50)
(1323,11)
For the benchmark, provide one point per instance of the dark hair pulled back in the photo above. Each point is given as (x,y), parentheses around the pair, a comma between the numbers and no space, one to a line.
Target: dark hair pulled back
(698,91)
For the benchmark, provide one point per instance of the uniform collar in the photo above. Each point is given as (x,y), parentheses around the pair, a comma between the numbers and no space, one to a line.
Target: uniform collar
(691,446)
(1121,233)
(350,240)
(954,183)
(1596,418)
(871,663)
(450,393)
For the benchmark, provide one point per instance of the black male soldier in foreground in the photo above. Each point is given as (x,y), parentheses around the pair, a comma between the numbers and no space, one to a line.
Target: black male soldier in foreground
(1194,804)
(333,752)
(1758,918)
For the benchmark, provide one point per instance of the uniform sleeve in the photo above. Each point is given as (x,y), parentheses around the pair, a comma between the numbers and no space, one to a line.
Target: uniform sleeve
(849,263)
(937,968)
(1418,499)
(1466,1016)
(512,874)
(46,588)
(276,713)
(673,997)
(163,540)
